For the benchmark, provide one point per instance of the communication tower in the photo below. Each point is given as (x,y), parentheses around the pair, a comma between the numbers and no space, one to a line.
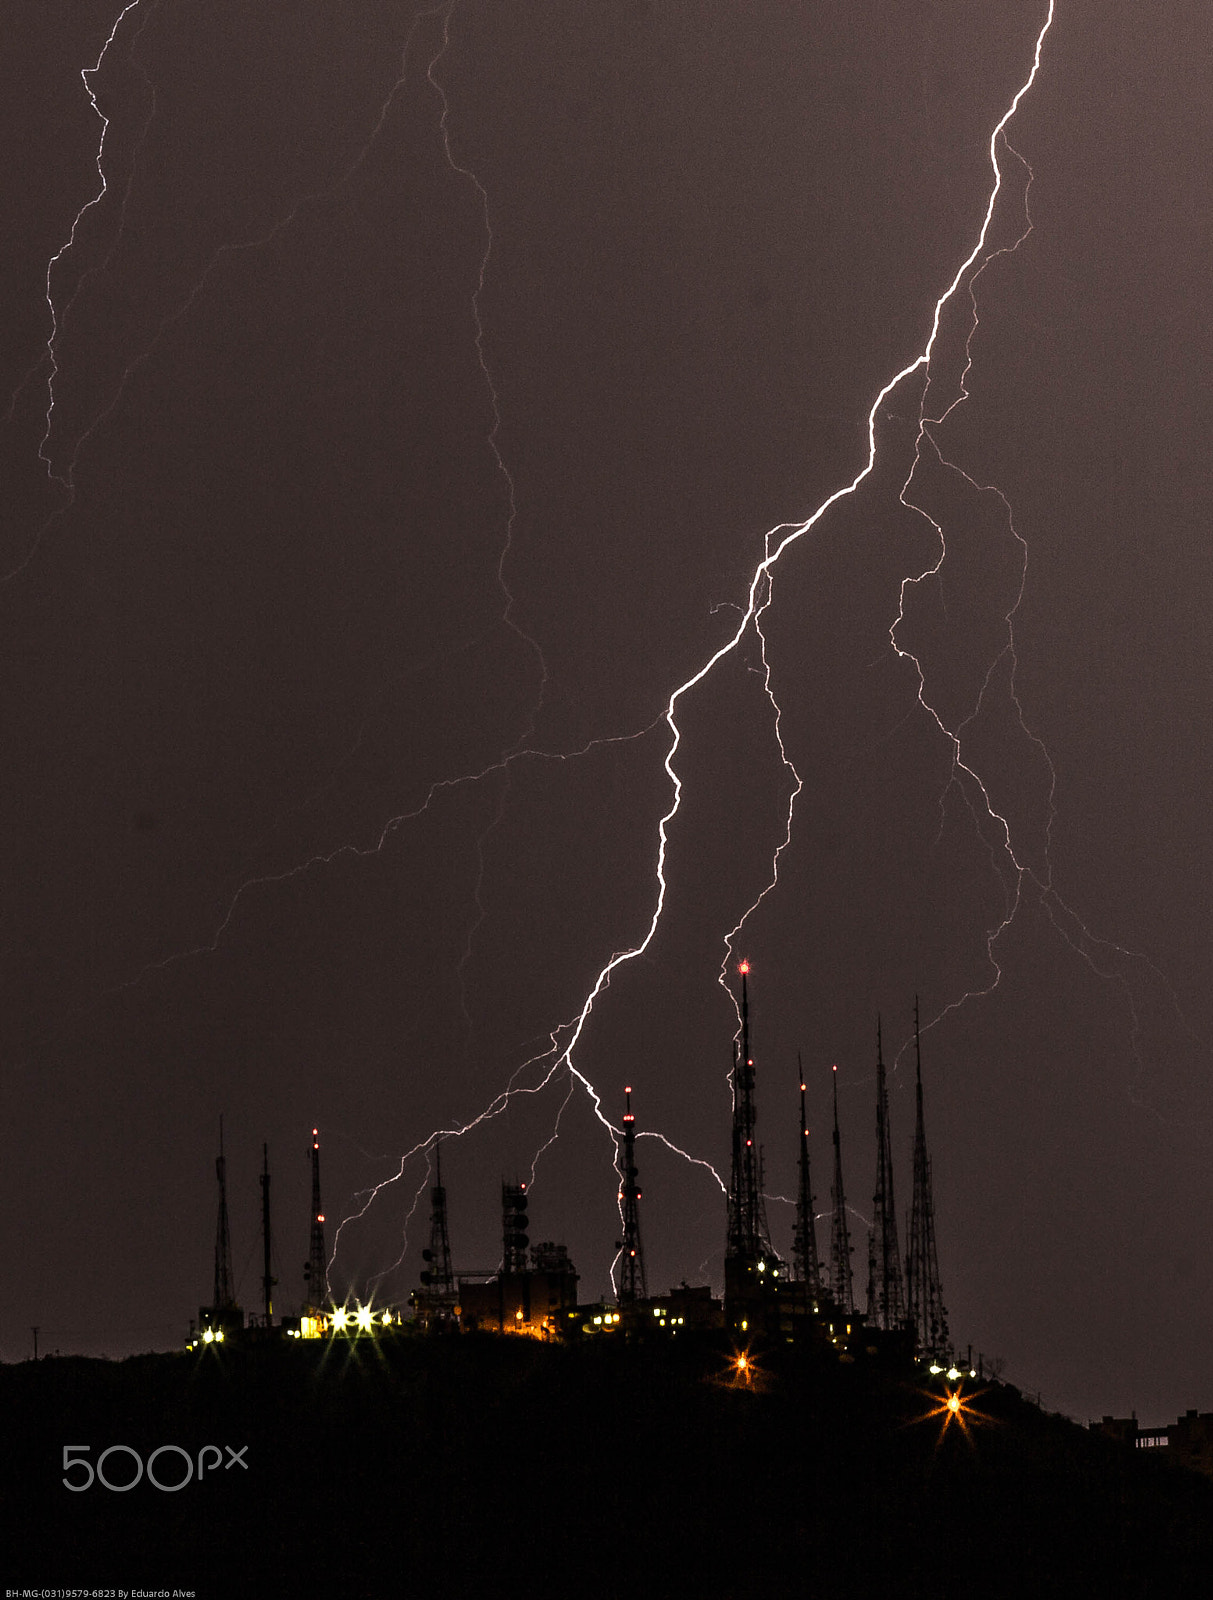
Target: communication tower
(886,1292)
(808,1267)
(514,1223)
(268,1280)
(438,1278)
(751,1268)
(632,1283)
(842,1289)
(316,1295)
(224,1297)
(923,1290)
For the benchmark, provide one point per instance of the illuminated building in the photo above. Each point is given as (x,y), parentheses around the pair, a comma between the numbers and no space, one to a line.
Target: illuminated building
(531,1302)
(520,1299)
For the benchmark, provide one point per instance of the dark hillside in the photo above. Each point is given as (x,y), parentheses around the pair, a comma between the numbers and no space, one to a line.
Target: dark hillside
(474,1465)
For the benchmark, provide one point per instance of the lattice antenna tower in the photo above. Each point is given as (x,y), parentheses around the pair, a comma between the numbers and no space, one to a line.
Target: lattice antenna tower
(808,1267)
(841,1286)
(886,1291)
(268,1281)
(224,1297)
(633,1285)
(439,1276)
(924,1292)
(747,1236)
(316,1272)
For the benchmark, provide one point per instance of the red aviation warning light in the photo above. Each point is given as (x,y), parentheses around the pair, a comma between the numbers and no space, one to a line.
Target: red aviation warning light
(743,967)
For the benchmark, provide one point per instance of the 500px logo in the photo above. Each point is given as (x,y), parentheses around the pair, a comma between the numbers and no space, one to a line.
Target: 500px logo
(73,1457)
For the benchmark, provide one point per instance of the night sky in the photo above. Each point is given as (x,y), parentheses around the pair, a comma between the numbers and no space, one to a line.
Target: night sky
(404,429)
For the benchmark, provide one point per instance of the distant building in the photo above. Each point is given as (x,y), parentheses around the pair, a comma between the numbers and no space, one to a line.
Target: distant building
(528,1302)
(1188,1441)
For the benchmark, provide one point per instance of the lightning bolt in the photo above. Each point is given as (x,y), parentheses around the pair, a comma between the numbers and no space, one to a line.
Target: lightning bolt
(759,598)
(86,76)
(966,777)
(1008,858)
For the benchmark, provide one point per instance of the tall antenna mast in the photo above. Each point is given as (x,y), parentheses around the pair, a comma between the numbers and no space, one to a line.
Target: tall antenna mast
(514,1226)
(316,1271)
(224,1297)
(747,1240)
(633,1285)
(841,1287)
(886,1295)
(267,1279)
(808,1268)
(438,1276)
(923,1290)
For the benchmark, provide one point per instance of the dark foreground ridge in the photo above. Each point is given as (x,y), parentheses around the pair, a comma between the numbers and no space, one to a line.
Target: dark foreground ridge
(486,1465)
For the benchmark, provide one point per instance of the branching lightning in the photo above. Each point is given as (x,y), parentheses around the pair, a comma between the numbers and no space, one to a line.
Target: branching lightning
(86,76)
(1009,860)
(759,596)
(974,789)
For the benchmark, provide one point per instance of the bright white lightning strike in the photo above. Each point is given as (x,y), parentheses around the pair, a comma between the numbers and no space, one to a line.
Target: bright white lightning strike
(759,598)
(787,535)
(565,1037)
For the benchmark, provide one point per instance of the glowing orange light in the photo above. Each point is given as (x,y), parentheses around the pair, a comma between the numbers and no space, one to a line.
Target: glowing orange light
(955,1407)
(743,967)
(320,1216)
(627,1088)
